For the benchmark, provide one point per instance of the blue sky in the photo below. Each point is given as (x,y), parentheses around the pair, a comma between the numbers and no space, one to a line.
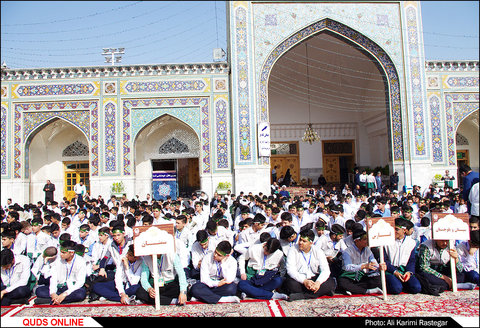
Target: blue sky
(450,30)
(73,33)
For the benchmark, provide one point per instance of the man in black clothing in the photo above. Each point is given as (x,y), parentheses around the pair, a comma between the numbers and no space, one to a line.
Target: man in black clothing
(394,181)
(49,188)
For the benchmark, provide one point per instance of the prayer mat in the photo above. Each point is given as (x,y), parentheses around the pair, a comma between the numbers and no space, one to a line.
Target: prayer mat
(5,309)
(191,309)
(463,304)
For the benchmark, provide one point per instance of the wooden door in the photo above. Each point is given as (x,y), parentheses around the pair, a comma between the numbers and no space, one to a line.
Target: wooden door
(193,173)
(286,162)
(331,169)
(285,156)
(73,173)
(279,163)
(293,164)
(188,176)
(338,158)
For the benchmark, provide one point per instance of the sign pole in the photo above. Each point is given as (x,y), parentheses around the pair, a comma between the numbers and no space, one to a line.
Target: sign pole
(155,282)
(151,241)
(451,245)
(381,232)
(382,275)
(451,227)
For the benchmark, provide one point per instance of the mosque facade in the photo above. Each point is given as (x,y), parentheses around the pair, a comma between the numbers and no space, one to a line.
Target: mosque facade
(355,71)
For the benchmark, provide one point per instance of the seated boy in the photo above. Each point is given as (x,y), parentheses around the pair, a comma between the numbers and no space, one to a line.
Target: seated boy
(15,274)
(199,248)
(468,253)
(172,283)
(19,242)
(215,233)
(333,246)
(308,273)
(127,280)
(264,260)
(42,238)
(400,261)
(360,271)
(288,238)
(101,267)
(27,233)
(217,275)
(42,268)
(182,232)
(147,220)
(250,235)
(433,266)
(8,239)
(67,280)
(84,237)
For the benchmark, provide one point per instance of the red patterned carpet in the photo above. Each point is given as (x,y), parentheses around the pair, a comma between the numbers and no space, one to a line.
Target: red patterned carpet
(448,304)
(403,309)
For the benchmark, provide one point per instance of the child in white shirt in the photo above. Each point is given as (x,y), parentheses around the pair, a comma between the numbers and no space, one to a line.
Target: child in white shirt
(217,275)
(67,280)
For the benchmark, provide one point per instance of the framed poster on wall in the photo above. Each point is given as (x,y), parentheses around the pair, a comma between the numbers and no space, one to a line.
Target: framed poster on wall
(164,183)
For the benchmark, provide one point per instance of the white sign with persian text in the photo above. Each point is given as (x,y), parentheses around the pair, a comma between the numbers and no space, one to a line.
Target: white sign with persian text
(381,231)
(153,241)
(446,226)
(264,139)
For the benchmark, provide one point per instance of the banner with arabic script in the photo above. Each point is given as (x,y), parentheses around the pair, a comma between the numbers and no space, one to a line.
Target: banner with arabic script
(164,183)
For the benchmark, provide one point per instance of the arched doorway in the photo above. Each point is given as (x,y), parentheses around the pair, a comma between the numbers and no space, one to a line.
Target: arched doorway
(467,143)
(56,151)
(167,144)
(352,89)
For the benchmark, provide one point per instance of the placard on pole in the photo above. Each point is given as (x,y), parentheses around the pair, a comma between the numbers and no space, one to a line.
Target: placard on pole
(154,240)
(381,232)
(451,227)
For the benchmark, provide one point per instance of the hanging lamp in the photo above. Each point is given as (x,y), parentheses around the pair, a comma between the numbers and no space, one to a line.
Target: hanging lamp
(310,135)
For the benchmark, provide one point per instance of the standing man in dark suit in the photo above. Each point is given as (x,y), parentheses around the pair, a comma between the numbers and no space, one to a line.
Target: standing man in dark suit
(394,181)
(49,188)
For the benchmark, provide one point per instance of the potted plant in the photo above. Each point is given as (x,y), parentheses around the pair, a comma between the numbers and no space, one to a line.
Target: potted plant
(437,179)
(118,189)
(223,187)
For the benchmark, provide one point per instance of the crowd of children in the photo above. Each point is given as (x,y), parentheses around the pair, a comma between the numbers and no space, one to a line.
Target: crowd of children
(232,247)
